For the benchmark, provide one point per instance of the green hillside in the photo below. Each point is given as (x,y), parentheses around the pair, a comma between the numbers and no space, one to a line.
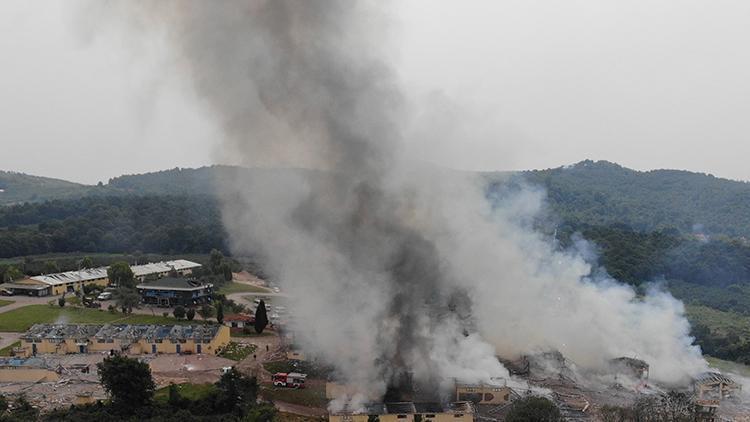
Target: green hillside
(18,188)
(604,193)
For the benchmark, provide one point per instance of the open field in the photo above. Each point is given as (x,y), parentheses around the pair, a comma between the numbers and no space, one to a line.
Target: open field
(311,396)
(21,319)
(230,288)
(727,366)
(719,321)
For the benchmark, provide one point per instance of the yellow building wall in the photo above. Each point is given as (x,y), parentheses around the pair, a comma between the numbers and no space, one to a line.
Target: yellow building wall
(488,394)
(221,339)
(452,417)
(27,375)
(78,285)
(394,418)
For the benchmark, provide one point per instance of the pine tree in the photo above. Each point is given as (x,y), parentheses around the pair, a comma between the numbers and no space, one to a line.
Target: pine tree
(261,318)
(219,312)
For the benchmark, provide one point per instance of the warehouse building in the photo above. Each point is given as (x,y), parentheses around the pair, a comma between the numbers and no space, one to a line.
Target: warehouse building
(73,281)
(169,292)
(130,339)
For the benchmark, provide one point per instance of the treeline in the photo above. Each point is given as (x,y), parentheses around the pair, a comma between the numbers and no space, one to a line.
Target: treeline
(133,396)
(603,193)
(158,224)
(636,257)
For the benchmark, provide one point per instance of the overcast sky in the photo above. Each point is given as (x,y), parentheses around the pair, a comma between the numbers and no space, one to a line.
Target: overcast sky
(494,84)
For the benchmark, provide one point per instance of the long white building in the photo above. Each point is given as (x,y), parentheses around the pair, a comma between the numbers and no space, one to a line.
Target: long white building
(70,281)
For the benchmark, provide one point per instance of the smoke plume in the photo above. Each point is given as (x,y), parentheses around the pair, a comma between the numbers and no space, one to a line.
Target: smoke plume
(395,270)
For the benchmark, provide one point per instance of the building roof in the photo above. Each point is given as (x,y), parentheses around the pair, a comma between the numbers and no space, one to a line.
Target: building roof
(21,286)
(172,283)
(713,378)
(72,276)
(125,333)
(239,317)
(163,267)
(101,272)
(33,362)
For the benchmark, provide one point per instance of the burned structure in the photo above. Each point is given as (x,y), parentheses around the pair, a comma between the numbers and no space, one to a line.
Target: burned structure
(131,339)
(406,412)
(711,388)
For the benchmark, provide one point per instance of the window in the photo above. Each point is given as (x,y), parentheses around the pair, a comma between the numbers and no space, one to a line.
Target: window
(429,416)
(401,416)
(100,340)
(110,340)
(458,415)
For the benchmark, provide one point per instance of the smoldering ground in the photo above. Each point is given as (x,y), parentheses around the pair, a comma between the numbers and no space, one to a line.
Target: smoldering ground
(394,268)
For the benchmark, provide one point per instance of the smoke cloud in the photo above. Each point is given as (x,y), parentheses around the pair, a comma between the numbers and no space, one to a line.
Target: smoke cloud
(395,269)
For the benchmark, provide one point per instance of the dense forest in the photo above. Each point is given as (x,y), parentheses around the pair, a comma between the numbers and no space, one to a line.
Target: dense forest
(159,224)
(603,193)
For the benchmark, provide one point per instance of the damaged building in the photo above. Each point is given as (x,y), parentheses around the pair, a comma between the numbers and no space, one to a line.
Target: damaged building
(131,339)
(485,394)
(26,370)
(711,388)
(407,412)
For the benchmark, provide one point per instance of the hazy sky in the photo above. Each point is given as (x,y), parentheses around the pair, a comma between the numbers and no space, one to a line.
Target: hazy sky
(494,85)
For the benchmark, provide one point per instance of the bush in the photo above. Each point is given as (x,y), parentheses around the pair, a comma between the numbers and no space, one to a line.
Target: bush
(190,314)
(61,301)
(165,314)
(179,312)
(533,409)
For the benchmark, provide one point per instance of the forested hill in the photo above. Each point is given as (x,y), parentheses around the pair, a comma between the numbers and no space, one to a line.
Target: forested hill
(602,194)
(585,194)
(18,188)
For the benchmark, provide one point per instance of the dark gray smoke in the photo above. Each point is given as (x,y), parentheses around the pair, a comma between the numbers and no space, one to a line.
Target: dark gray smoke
(304,83)
(396,272)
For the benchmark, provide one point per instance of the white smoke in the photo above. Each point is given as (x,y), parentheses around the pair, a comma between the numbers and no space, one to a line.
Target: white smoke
(392,267)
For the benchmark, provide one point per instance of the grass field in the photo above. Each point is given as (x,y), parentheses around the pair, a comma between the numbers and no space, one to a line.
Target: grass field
(727,366)
(230,288)
(21,319)
(719,321)
(5,351)
(311,396)
(5,302)
(188,391)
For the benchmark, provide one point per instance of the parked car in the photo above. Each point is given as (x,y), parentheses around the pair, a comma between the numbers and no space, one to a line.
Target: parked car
(104,296)
(6,292)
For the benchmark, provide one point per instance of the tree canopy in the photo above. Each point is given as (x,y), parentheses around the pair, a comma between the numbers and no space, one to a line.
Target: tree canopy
(121,275)
(261,317)
(127,381)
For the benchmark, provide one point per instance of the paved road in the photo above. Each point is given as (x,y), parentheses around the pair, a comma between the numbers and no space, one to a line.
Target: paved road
(21,301)
(6,339)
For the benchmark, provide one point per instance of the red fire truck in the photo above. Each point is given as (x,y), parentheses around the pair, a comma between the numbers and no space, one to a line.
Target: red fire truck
(291,380)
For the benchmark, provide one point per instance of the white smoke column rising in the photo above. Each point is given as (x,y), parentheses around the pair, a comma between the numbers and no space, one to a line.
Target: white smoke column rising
(393,268)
